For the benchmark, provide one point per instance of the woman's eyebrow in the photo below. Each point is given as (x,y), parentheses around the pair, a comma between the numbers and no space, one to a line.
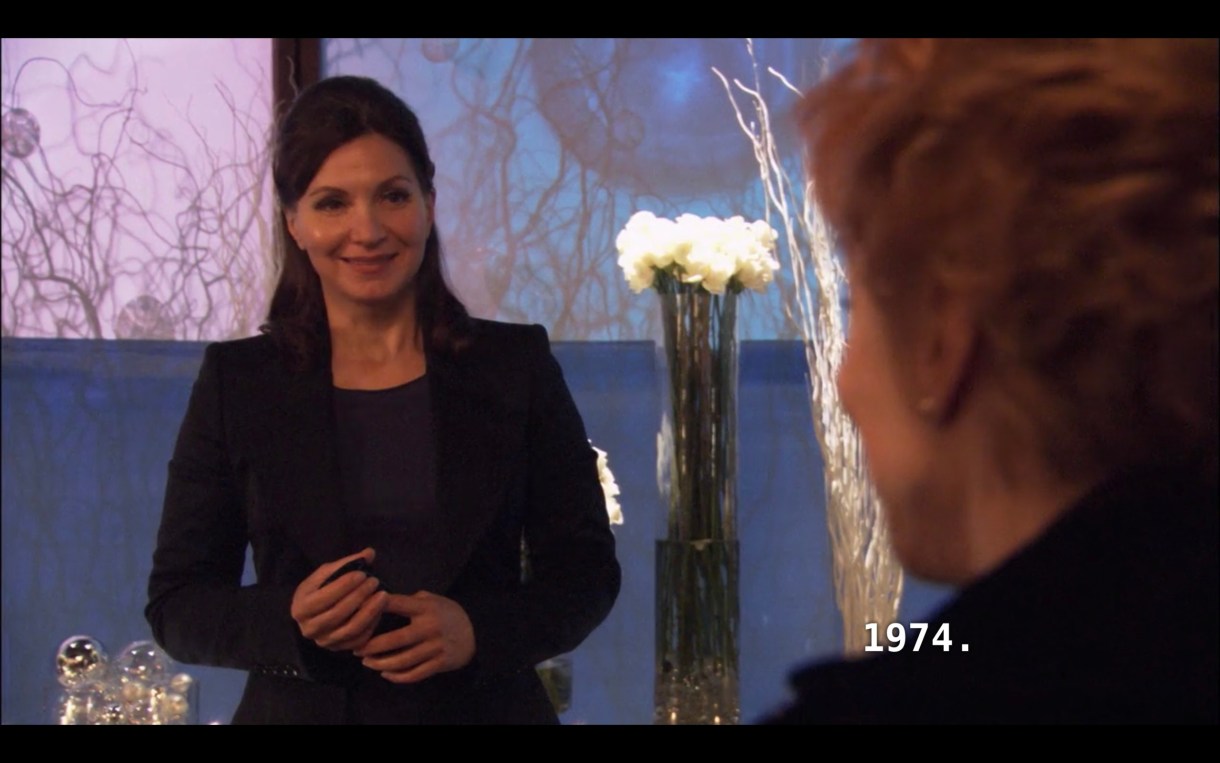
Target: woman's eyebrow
(324,189)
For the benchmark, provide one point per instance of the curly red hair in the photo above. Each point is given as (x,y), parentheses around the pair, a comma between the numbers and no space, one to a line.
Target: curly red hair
(1068,188)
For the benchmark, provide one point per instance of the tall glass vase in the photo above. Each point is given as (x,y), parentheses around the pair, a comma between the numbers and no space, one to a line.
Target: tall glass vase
(697,610)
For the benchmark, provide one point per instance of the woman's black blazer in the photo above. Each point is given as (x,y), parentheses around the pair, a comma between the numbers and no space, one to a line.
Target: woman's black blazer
(255,466)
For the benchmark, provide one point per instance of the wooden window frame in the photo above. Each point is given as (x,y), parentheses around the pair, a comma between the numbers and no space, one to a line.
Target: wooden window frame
(296,63)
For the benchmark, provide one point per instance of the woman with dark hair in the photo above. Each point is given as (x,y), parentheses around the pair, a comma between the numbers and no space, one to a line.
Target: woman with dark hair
(1030,230)
(383,455)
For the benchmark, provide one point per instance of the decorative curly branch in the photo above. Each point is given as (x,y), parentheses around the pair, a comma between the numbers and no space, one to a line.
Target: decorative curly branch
(868,578)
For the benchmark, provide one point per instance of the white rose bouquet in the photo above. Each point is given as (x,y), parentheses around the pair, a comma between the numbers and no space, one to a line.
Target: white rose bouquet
(713,253)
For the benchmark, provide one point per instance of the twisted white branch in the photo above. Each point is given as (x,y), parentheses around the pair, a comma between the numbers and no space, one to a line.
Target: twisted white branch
(868,578)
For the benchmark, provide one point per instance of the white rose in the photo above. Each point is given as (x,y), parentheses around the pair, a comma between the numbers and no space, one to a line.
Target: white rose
(758,270)
(646,244)
(737,241)
(765,234)
(755,275)
(710,266)
(632,240)
(757,264)
(640,275)
(693,232)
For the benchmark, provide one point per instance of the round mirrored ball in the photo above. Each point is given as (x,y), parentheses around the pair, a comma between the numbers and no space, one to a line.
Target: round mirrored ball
(80,660)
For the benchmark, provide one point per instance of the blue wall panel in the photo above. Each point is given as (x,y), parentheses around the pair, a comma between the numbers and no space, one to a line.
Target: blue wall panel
(88,428)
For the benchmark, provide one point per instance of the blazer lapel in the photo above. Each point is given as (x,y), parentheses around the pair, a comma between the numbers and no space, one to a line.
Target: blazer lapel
(307,468)
(471,459)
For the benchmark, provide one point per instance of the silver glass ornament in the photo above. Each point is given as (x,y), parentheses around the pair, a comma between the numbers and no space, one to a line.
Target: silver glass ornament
(143,661)
(132,690)
(20,133)
(80,660)
(106,706)
(145,710)
(144,318)
(439,49)
(173,708)
(72,708)
(181,683)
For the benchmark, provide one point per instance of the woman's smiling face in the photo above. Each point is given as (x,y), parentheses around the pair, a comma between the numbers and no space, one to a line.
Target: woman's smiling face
(364,221)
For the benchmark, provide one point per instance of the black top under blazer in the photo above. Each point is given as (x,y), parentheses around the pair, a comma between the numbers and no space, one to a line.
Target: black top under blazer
(255,465)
